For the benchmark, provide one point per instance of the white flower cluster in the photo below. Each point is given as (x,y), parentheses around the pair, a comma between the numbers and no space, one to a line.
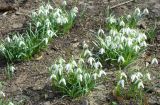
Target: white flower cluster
(62,72)
(136,79)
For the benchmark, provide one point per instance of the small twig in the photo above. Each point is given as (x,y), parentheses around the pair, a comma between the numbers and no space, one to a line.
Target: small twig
(121,4)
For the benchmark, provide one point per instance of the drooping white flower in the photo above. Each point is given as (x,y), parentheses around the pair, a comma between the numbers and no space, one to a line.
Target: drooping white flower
(85,45)
(121,83)
(129,42)
(139,74)
(81,61)
(45,40)
(95,75)
(147,64)
(2,94)
(34,14)
(86,76)
(111,20)
(10,103)
(137,11)
(74,11)
(121,59)
(145,11)
(61,61)
(97,65)
(136,48)
(64,3)
(102,51)
(38,24)
(53,76)
(12,68)
(154,61)
(143,44)
(80,77)
(91,60)
(87,52)
(123,75)
(2,48)
(128,16)
(63,81)
(122,23)
(22,43)
(49,7)
(101,72)
(140,85)
(48,23)
(68,67)
(148,76)
(79,70)
(134,77)
(74,63)
(100,31)
(50,33)
(8,39)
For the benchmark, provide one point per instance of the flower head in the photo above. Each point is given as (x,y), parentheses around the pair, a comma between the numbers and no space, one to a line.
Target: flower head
(140,84)
(62,81)
(121,59)
(121,83)
(154,61)
(145,11)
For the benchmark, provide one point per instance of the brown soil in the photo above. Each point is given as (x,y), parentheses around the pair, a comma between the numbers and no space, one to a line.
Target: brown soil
(31,79)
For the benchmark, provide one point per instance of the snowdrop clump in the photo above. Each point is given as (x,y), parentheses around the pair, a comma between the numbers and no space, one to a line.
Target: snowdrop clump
(76,77)
(132,87)
(54,19)
(45,24)
(122,44)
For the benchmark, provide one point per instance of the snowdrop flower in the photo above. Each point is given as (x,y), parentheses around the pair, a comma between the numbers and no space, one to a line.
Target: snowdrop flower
(122,23)
(136,48)
(143,44)
(2,94)
(34,14)
(63,81)
(64,3)
(123,75)
(21,43)
(133,77)
(100,31)
(140,84)
(74,63)
(50,33)
(102,51)
(97,65)
(62,20)
(15,37)
(154,61)
(121,59)
(101,73)
(147,64)
(12,68)
(8,39)
(91,60)
(86,76)
(87,52)
(80,77)
(95,75)
(38,24)
(68,67)
(61,61)
(137,11)
(145,11)
(81,61)
(53,76)
(48,23)
(139,75)
(148,76)
(121,83)
(85,45)
(45,40)
(48,6)
(57,13)
(74,11)
(129,42)
(10,103)
(128,16)
(113,32)
(111,20)
(2,48)
(79,70)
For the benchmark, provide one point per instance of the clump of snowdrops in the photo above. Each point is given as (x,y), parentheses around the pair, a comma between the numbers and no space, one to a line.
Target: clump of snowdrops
(123,42)
(45,24)
(131,83)
(132,86)
(76,77)
(52,20)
